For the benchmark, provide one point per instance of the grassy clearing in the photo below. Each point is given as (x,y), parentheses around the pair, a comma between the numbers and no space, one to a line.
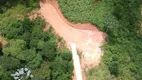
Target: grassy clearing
(79,10)
(84,11)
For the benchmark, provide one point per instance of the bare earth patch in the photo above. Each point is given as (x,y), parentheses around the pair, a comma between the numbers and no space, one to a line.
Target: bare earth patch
(85,35)
(3,41)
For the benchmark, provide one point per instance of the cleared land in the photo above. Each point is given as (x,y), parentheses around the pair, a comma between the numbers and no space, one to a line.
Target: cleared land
(87,41)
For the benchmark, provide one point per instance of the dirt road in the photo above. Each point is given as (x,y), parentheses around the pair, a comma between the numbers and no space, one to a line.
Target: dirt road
(87,41)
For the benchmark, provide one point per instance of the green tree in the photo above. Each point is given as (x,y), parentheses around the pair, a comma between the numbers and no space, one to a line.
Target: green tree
(31,4)
(14,48)
(9,62)
(4,74)
(42,73)
(12,28)
(40,44)
(49,50)
(61,69)
(36,62)
(66,55)
(27,55)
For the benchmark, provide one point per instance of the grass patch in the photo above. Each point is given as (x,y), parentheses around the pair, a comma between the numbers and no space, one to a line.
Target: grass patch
(84,11)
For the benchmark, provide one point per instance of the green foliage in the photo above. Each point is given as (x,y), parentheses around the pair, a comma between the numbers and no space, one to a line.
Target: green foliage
(27,55)
(14,47)
(49,50)
(66,55)
(78,10)
(61,69)
(9,62)
(113,67)
(14,8)
(40,44)
(60,39)
(5,4)
(29,46)
(99,73)
(43,73)
(11,28)
(4,74)
(35,63)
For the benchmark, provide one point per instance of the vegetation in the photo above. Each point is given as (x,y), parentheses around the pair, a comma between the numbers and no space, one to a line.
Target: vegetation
(29,46)
(12,8)
(120,19)
(5,4)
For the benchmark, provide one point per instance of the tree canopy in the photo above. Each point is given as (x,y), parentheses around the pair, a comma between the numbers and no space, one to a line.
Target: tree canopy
(28,46)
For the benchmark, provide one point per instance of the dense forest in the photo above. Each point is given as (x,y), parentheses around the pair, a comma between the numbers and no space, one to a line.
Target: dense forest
(121,20)
(28,46)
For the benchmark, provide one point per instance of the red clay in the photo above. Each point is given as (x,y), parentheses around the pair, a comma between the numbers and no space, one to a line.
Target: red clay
(85,35)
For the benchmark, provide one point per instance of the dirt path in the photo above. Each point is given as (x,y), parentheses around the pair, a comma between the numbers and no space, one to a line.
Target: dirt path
(88,38)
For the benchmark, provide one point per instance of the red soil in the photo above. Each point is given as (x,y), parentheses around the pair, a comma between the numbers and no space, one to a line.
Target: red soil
(85,35)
